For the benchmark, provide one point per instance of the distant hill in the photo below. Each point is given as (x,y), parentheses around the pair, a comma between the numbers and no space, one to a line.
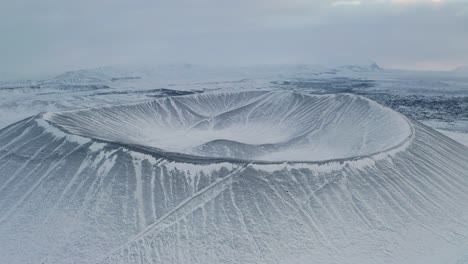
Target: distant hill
(461,69)
(374,67)
(95,75)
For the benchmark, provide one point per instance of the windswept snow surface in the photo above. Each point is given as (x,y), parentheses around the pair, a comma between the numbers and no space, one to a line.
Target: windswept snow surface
(74,189)
(460,137)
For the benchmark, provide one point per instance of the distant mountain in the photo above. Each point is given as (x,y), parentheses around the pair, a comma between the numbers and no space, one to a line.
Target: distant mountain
(127,72)
(461,69)
(95,75)
(177,72)
(374,67)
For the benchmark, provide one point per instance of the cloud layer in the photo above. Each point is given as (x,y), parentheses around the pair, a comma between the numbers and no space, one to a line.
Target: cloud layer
(52,35)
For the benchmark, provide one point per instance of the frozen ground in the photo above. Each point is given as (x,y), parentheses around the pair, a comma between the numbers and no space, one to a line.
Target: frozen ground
(86,186)
(315,171)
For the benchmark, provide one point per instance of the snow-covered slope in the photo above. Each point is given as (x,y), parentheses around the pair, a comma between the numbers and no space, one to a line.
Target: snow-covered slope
(247,125)
(457,136)
(74,190)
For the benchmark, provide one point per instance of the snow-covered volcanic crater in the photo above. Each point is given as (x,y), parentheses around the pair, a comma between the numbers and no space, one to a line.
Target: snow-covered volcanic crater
(266,126)
(247,177)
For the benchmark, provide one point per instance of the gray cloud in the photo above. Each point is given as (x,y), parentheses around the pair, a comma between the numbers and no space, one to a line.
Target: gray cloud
(52,35)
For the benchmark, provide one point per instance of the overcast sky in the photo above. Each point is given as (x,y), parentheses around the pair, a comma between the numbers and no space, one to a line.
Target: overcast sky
(55,35)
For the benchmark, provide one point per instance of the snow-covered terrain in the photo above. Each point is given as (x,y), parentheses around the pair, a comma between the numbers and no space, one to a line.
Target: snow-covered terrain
(246,125)
(460,137)
(432,97)
(101,185)
(273,164)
